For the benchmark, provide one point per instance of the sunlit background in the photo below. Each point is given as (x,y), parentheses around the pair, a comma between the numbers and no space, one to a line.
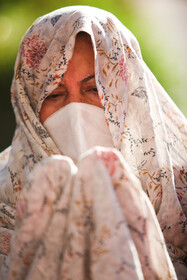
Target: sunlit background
(159,26)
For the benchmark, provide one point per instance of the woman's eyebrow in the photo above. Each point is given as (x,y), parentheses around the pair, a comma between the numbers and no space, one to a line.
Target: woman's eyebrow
(87,79)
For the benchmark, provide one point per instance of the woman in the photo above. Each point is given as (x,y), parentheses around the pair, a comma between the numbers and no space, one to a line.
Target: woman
(80,82)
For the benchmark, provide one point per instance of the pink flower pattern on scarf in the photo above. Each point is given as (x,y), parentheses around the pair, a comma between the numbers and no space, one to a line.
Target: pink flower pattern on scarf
(123,69)
(34,49)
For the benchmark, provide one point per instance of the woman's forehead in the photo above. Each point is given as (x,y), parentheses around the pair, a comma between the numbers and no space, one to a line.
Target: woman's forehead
(53,38)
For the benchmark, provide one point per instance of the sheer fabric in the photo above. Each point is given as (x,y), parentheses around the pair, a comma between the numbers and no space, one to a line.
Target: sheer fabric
(147,129)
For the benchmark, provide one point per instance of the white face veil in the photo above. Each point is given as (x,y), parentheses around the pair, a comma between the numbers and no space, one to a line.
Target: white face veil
(78,127)
(146,126)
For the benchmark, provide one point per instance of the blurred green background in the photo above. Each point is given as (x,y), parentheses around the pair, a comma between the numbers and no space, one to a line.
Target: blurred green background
(153,24)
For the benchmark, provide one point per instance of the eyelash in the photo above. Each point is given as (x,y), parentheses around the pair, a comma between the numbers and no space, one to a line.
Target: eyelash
(94,90)
(56,95)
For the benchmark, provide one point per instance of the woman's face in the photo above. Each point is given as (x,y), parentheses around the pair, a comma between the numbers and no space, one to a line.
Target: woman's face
(78,83)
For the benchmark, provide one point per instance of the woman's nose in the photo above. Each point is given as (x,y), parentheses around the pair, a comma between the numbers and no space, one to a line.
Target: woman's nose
(76,96)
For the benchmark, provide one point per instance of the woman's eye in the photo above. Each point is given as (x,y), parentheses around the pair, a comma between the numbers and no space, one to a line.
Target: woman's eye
(53,96)
(56,95)
(92,90)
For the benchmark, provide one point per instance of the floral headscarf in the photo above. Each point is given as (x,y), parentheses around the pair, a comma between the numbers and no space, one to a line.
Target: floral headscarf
(146,126)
